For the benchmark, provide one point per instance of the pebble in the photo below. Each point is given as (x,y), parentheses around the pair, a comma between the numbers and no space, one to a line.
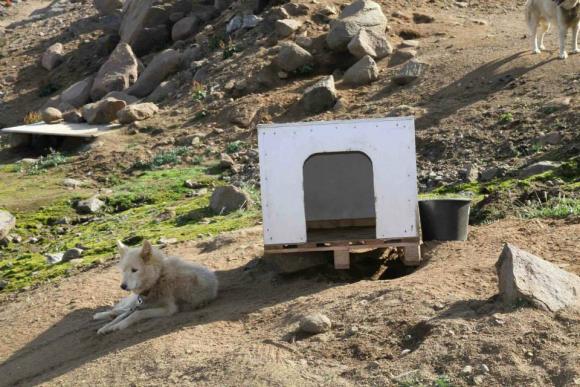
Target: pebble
(483,368)
(467,370)
(405,352)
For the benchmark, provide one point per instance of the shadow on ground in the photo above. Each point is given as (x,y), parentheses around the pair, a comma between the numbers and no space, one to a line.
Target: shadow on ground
(73,342)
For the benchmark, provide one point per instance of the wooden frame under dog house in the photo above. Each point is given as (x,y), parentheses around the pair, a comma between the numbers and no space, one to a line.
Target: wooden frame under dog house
(340,186)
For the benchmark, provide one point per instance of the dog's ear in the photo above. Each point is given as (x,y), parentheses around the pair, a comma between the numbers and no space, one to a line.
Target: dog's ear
(146,250)
(122,248)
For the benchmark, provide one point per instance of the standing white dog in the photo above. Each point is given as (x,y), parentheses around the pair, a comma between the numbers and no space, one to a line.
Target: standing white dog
(564,13)
(159,285)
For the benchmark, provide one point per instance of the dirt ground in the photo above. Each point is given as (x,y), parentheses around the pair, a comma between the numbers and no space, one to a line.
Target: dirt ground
(445,313)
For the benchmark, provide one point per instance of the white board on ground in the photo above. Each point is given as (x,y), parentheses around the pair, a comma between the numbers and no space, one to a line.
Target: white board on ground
(61,129)
(388,142)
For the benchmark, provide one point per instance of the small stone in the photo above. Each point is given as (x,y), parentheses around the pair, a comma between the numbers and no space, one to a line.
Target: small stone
(51,115)
(137,112)
(286,27)
(227,199)
(483,368)
(72,183)
(352,330)
(71,254)
(412,71)
(405,352)
(167,241)
(89,206)
(411,43)
(478,379)
(467,370)
(315,323)
(320,97)
(421,18)
(192,184)
(292,57)
(54,258)
(226,161)
(53,56)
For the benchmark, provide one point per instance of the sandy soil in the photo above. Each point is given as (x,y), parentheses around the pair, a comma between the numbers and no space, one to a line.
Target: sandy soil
(445,313)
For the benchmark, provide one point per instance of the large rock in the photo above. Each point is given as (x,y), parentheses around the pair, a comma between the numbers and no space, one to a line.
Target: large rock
(118,73)
(51,115)
(7,223)
(53,56)
(319,97)
(163,64)
(108,7)
(227,199)
(410,72)
(537,168)
(135,15)
(185,28)
(361,14)
(369,43)
(137,112)
(79,93)
(292,57)
(89,206)
(362,72)
(164,90)
(315,323)
(103,111)
(526,277)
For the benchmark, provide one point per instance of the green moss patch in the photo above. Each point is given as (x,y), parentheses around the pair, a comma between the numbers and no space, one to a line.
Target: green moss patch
(152,205)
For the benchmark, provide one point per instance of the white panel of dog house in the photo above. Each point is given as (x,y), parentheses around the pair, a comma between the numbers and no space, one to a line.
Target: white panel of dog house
(388,142)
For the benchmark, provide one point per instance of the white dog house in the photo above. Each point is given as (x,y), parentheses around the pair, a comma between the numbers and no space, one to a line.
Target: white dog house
(340,186)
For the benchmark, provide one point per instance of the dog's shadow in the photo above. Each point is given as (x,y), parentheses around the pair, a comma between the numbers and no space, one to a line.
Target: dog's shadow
(73,341)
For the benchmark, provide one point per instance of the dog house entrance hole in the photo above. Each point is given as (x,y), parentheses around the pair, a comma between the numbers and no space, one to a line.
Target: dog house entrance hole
(339,197)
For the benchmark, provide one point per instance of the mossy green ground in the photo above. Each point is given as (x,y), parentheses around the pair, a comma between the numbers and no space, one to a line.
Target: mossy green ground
(151,205)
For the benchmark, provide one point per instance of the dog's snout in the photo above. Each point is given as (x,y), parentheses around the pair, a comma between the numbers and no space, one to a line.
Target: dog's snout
(124,286)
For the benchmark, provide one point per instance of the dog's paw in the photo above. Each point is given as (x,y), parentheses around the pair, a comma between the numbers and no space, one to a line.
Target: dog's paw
(563,55)
(537,51)
(542,48)
(576,50)
(101,316)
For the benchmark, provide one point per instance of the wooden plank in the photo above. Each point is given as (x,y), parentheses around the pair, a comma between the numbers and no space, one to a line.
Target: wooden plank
(412,255)
(341,259)
(341,245)
(63,129)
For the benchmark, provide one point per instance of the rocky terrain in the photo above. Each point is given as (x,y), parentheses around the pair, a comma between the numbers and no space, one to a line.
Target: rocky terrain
(186,83)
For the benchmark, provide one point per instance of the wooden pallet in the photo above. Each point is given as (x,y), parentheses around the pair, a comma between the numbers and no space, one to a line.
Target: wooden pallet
(344,241)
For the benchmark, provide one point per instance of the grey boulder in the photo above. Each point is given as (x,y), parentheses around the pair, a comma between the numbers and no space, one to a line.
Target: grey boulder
(362,72)
(315,323)
(292,57)
(103,111)
(163,64)
(526,277)
(118,73)
(53,56)
(137,112)
(361,14)
(370,43)
(227,199)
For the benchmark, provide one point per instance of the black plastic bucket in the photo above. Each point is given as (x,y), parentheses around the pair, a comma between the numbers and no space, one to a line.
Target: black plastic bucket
(444,219)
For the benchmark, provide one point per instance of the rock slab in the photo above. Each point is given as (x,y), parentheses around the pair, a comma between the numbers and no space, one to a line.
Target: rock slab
(524,276)
(319,97)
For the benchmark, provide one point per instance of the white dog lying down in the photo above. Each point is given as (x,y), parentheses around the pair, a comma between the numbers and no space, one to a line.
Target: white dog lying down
(159,284)
(564,13)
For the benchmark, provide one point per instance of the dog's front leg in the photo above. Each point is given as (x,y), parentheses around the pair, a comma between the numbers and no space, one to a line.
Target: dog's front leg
(139,315)
(575,32)
(122,306)
(109,327)
(563,29)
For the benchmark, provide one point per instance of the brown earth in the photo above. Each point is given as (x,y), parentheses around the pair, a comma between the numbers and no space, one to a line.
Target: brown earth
(445,313)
